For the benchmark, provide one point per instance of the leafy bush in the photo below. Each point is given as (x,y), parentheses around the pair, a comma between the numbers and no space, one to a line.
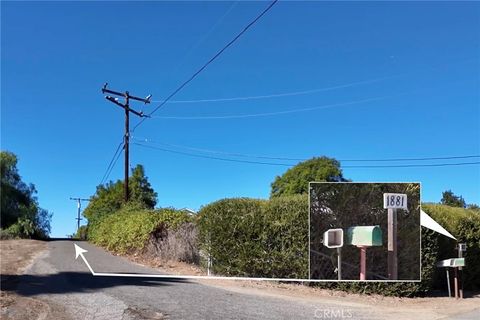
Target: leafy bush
(257,238)
(20,213)
(82,233)
(174,245)
(129,229)
(464,224)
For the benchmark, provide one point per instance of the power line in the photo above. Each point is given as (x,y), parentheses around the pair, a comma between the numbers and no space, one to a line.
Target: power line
(416,165)
(303,92)
(211,157)
(302,159)
(113,164)
(205,36)
(265,114)
(107,172)
(286,94)
(208,62)
(291,165)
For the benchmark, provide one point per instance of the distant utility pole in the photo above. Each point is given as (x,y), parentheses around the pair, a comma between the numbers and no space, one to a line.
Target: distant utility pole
(79,205)
(126,107)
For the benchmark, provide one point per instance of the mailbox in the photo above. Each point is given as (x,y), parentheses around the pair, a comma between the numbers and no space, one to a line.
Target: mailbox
(364,236)
(333,238)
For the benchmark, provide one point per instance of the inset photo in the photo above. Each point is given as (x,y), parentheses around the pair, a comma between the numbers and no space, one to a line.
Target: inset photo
(364,231)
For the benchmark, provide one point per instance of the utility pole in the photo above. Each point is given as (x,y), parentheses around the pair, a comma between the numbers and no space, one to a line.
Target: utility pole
(126,107)
(79,205)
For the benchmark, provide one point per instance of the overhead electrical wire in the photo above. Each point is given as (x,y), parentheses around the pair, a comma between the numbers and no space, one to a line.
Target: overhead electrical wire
(244,155)
(303,92)
(286,94)
(112,163)
(291,165)
(210,157)
(204,37)
(204,66)
(274,113)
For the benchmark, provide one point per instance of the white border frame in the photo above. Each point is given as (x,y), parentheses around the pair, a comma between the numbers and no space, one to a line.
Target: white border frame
(363,182)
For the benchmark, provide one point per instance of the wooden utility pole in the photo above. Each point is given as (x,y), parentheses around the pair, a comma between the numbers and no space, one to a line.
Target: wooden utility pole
(126,107)
(79,205)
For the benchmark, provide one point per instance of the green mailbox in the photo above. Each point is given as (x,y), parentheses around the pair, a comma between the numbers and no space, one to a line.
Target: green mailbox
(364,236)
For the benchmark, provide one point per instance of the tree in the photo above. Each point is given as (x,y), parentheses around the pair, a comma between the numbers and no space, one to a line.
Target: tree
(296,179)
(20,212)
(473,206)
(109,198)
(452,200)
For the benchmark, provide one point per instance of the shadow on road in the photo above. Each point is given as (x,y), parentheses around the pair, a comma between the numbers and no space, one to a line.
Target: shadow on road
(73,282)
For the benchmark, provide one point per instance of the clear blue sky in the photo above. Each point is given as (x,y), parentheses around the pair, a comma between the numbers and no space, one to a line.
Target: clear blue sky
(56,56)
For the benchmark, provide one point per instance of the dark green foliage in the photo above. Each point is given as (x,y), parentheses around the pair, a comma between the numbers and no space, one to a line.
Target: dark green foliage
(296,179)
(129,228)
(109,198)
(21,215)
(343,205)
(258,238)
(450,199)
(82,233)
(464,224)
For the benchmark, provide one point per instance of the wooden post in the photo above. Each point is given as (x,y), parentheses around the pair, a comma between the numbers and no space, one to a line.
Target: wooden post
(455,282)
(460,272)
(448,282)
(392,245)
(363,263)
(339,263)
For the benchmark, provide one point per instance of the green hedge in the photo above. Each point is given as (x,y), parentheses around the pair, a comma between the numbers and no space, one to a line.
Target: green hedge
(128,229)
(260,238)
(257,238)
(464,224)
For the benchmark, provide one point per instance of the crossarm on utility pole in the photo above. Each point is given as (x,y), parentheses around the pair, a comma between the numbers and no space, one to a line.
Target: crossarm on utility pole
(126,107)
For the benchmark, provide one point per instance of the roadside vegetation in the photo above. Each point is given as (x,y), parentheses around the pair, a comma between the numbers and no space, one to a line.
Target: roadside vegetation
(264,238)
(20,214)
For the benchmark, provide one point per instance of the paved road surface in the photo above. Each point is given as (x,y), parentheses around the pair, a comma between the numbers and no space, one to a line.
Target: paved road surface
(66,283)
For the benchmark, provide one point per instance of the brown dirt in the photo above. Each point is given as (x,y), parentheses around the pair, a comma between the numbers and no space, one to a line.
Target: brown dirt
(15,258)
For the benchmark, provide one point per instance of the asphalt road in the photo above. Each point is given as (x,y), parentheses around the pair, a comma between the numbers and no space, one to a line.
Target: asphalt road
(57,278)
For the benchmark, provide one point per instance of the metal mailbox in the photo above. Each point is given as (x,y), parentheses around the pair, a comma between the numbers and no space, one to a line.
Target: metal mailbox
(455,262)
(333,238)
(364,236)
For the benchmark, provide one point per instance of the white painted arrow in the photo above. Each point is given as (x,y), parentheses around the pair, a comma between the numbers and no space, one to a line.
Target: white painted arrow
(80,251)
(428,222)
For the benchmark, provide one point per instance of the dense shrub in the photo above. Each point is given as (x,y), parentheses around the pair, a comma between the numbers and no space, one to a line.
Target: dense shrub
(128,229)
(81,233)
(178,244)
(464,224)
(258,238)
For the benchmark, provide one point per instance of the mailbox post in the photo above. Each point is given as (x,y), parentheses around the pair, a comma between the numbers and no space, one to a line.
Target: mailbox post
(455,263)
(363,237)
(392,202)
(333,238)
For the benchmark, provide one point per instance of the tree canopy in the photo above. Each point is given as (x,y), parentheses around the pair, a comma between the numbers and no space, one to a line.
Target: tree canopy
(20,212)
(109,198)
(296,179)
(452,200)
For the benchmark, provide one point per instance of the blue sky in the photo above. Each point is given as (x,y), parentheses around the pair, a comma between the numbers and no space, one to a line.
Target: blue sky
(423,56)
